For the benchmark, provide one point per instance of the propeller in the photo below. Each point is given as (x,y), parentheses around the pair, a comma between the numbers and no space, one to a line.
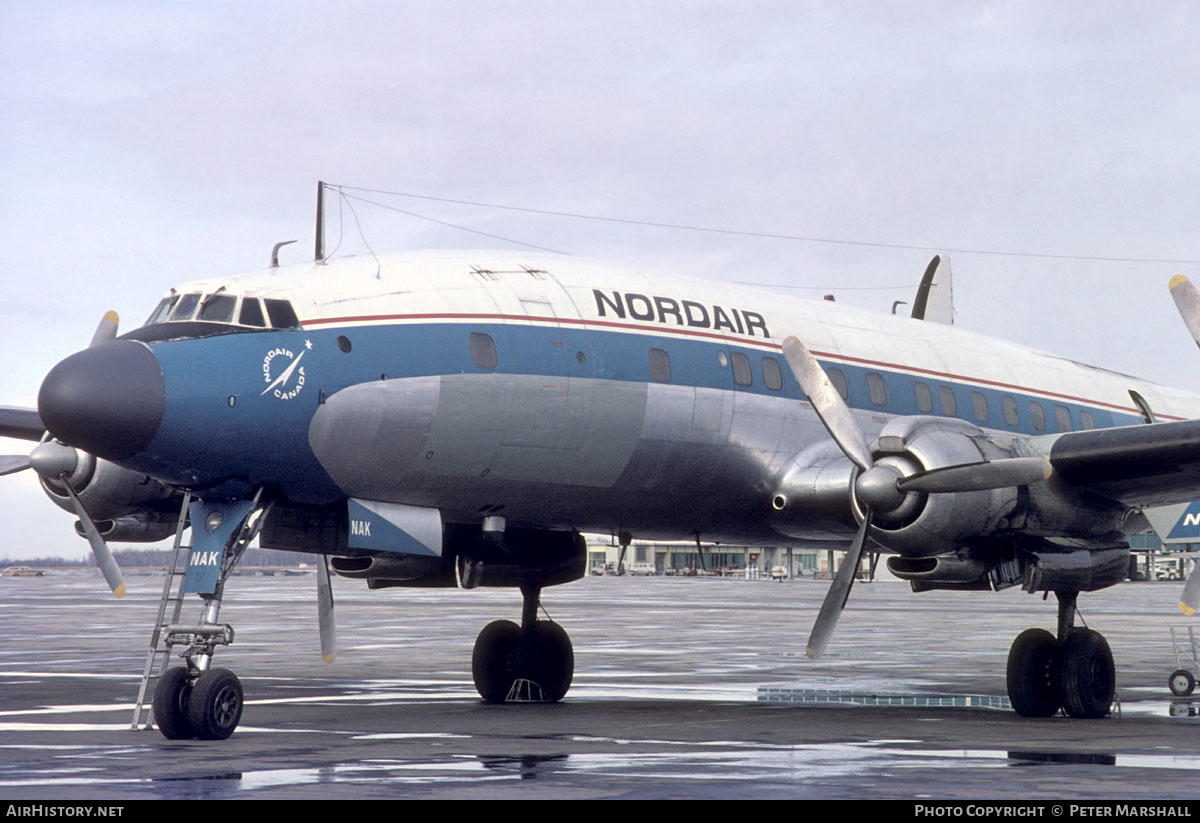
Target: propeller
(882,487)
(13,463)
(325,612)
(1189,601)
(1187,300)
(56,461)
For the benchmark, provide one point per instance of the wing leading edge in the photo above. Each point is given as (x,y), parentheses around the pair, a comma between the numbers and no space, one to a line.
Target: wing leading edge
(1136,465)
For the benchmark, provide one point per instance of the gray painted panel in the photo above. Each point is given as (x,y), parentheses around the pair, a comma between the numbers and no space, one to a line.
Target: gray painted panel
(464,442)
(366,433)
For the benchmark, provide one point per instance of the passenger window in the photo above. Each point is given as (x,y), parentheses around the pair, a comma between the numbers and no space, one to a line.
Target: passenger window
(1038,414)
(217,308)
(660,366)
(1012,416)
(979,406)
(949,404)
(483,350)
(1087,420)
(251,314)
(876,389)
(1062,416)
(186,307)
(838,379)
(924,397)
(742,375)
(772,374)
(282,315)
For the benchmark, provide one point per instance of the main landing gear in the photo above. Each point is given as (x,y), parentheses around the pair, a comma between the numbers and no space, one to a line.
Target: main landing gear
(1074,672)
(530,663)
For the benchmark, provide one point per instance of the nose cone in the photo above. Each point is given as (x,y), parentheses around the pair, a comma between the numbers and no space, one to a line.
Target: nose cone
(107,400)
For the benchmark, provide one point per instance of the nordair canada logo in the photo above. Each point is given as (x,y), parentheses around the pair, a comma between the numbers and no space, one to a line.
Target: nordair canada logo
(283,373)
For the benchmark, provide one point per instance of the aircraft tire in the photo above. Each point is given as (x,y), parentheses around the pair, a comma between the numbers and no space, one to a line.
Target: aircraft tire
(1033,674)
(215,706)
(1181,683)
(545,657)
(170,704)
(1088,675)
(494,660)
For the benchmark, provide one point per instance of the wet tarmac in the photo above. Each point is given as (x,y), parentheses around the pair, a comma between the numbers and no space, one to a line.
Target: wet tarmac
(688,688)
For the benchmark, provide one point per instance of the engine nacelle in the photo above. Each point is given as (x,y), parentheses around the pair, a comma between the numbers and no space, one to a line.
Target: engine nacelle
(945,571)
(932,524)
(815,492)
(812,501)
(143,527)
(395,567)
(107,491)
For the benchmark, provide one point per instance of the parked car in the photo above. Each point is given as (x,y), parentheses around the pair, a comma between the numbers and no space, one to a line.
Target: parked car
(645,569)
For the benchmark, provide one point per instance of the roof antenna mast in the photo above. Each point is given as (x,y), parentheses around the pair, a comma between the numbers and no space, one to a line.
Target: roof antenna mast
(319,252)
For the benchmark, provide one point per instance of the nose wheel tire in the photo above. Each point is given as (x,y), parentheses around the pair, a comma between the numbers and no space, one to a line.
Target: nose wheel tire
(170,704)
(215,706)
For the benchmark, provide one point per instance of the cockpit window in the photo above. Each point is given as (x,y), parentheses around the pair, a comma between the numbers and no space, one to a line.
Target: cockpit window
(218,308)
(197,314)
(186,307)
(252,313)
(162,310)
(282,315)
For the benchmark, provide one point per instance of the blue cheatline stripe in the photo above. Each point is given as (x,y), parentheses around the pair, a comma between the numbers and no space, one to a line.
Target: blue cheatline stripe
(440,348)
(216,384)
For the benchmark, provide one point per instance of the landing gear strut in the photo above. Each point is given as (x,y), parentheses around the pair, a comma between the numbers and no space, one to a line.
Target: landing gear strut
(533,662)
(1074,672)
(198,700)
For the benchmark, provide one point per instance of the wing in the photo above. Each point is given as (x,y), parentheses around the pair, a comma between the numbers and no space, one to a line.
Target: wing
(23,424)
(1135,465)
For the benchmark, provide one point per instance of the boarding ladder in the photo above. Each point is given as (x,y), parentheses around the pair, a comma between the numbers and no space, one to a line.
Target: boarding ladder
(159,657)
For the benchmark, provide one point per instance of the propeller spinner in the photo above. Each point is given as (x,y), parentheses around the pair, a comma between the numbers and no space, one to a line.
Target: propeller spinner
(55,461)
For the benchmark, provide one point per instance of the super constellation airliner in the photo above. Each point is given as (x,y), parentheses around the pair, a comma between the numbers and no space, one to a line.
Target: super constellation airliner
(459,419)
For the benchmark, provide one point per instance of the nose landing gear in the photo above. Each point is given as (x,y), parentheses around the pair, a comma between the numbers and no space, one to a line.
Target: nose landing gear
(198,700)
(206,708)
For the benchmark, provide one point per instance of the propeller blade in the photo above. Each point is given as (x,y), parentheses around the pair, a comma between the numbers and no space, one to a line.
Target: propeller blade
(1187,300)
(325,612)
(21,423)
(827,403)
(104,557)
(107,329)
(839,592)
(1005,473)
(1189,601)
(12,463)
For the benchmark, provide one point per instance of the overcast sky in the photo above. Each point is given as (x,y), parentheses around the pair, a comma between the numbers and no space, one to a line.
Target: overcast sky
(146,144)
